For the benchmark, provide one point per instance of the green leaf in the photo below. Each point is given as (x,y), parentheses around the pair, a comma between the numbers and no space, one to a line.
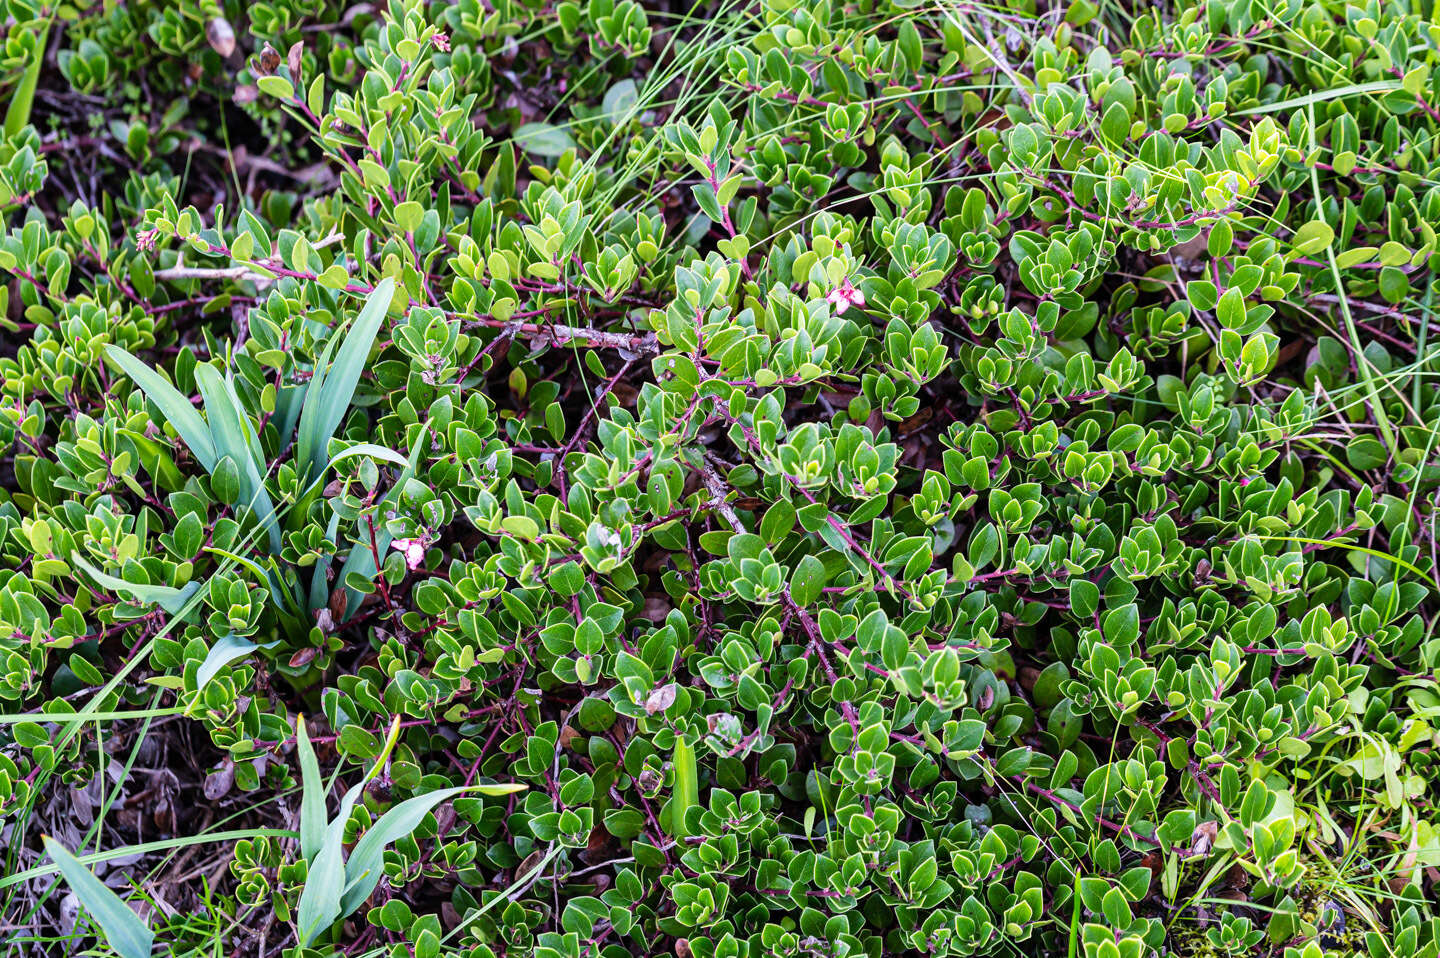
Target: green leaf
(807,581)
(319,906)
(408,216)
(276,86)
(365,449)
(619,100)
(226,649)
(123,929)
(1313,237)
(235,437)
(1230,311)
(1365,452)
(173,406)
(312,794)
(22,98)
(333,386)
(170,599)
(325,883)
(687,786)
(363,870)
(542,139)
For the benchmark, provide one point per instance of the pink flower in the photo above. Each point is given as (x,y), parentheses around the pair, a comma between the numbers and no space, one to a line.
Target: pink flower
(442,42)
(414,550)
(145,240)
(845,295)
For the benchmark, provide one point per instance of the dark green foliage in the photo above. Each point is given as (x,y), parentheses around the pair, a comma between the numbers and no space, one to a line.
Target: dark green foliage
(883,479)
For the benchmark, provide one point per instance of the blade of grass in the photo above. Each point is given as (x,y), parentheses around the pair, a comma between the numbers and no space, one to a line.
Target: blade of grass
(1336,544)
(146,848)
(1362,361)
(1072,945)
(1321,96)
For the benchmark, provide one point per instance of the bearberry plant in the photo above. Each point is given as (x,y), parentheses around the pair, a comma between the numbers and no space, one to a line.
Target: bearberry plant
(736,480)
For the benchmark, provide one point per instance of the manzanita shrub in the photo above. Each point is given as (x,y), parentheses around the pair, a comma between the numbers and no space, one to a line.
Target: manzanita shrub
(790,478)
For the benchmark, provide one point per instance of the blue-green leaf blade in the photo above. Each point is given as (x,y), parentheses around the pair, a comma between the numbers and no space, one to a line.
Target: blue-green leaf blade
(176,408)
(123,929)
(235,437)
(363,870)
(226,649)
(312,794)
(170,599)
(333,388)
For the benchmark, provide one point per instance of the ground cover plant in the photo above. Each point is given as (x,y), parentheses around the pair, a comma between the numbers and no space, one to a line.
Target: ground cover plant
(780,478)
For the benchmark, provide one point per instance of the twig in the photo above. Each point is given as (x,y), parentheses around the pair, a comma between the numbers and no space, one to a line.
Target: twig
(718,491)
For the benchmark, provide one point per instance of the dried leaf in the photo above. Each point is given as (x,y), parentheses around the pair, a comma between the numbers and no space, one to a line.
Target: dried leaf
(267,62)
(219,782)
(660,699)
(1203,838)
(305,656)
(221,36)
(337,602)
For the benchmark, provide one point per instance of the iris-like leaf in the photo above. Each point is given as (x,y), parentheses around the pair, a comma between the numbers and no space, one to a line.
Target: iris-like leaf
(333,385)
(319,905)
(175,407)
(235,437)
(312,793)
(363,870)
(123,929)
(226,649)
(170,599)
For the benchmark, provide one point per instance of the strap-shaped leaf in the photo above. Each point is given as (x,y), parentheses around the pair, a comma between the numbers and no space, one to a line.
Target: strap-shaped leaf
(319,583)
(320,898)
(363,870)
(175,407)
(123,929)
(333,385)
(226,649)
(325,884)
(312,794)
(235,437)
(170,599)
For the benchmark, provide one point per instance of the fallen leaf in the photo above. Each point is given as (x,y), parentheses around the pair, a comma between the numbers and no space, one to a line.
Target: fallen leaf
(219,782)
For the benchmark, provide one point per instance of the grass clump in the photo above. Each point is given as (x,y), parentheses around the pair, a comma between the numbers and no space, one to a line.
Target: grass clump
(786,479)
